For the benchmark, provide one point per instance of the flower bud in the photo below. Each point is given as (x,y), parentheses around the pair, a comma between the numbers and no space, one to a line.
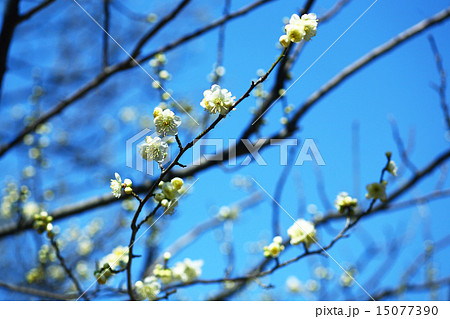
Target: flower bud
(165,203)
(128,182)
(284,41)
(159,197)
(177,182)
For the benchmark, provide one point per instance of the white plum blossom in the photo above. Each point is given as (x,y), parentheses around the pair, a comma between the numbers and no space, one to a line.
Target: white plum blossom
(217,100)
(275,248)
(148,289)
(228,213)
(30,209)
(154,149)
(118,259)
(302,231)
(163,274)
(177,182)
(116,185)
(298,29)
(166,122)
(188,270)
(310,25)
(345,203)
(293,285)
(377,191)
(169,195)
(295,30)
(392,168)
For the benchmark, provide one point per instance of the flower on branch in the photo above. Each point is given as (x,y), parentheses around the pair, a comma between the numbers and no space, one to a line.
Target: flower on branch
(299,29)
(118,259)
(345,204)
(170,192)
(228,213)
(166,122)
(302,232)
(392,168)
(217,100)
(164,274)
(188,270)
(154,149)
(43,223)
(116,186)
(377,191)
(148,289)
(275,248)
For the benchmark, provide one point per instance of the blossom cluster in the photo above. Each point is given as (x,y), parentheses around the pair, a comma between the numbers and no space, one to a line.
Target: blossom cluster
(117,185)
(43,223)
(185,271)
(228,213)
(166,122)
(149,288)
(302,231)
(377,191)
(345,204)
(217,100)
(154,149)
(299,29)
(169,194)
(275,248)
(115,261)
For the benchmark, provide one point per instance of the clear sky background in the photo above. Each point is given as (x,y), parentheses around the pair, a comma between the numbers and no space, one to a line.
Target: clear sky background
(398,85)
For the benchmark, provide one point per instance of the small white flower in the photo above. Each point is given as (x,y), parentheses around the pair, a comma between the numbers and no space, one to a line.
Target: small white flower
(293,285)
(302,232)
(164,274)
(217,100)
(344,203)
(116,186)
(163,74)
(128,182)
(392,168)
(118,259)
(303,28)
(284,40)
(148,289)
(154,149)
(177,182)
(229,213)
(377,191)
(188,270)
(275,248)
(295,30)
(30,209)
(310,25)
(166,122)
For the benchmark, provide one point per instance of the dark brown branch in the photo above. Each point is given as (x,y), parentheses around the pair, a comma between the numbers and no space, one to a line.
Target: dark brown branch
(157,27)
(67,269)
(105,38)
(366,60)
(412,287)
(27,15)
(10,21)
(38,292)
(108,72)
